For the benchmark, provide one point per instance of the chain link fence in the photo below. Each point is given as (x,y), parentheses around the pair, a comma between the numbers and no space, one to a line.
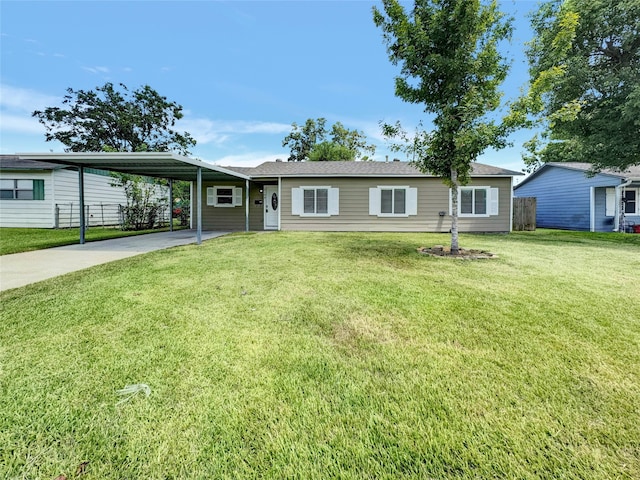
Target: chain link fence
(103,215)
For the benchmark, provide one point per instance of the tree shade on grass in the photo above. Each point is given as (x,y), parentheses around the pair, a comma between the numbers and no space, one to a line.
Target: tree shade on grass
(318,355)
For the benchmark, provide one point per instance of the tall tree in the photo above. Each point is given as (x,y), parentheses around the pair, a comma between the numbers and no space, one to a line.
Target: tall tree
(330,152)
(353,140)
(585,83)
(450,64)
(309,142)
(302,138)
(121,121)
(108,120)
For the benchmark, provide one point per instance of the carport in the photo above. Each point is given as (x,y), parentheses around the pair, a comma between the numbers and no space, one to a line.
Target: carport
(166,165)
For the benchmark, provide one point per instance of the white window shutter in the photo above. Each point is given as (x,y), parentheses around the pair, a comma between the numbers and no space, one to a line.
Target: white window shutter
(493,201)
(610,202)
(297,201)
(334,207)
(237,198)
(451,202)
(374,201)
(211,197)
(412,201)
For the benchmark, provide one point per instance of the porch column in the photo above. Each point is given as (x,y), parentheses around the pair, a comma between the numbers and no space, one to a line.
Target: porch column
(246,206)
(199,207)
(171,205)
(592,209)
(81,197)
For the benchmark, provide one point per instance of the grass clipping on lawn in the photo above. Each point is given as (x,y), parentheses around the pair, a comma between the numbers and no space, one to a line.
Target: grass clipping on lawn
(319,355)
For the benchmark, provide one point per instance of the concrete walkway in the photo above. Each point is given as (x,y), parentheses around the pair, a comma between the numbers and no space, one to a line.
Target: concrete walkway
(20,269)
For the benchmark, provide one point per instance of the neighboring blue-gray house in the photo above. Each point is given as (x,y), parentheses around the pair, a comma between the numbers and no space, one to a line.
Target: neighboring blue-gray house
(569,198)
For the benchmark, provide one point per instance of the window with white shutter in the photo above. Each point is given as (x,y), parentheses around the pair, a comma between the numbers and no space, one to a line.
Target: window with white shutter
(224,196)
(393,201)
(315,201)
(477,201)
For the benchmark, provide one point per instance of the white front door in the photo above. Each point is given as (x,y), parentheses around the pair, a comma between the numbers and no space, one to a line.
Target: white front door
(271,205)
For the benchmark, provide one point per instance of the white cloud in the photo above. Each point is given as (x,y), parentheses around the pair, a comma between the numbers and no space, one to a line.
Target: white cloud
(24,100)
(248,159)
(96,69)
(206,131)
(20,124)
(16,106)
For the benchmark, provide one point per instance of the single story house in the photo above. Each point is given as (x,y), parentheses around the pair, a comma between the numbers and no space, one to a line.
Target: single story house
(570,198)
(356,196)
(322,196)
(39,194)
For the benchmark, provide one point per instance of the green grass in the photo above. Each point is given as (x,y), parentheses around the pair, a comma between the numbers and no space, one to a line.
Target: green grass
(313,356)
(16,240)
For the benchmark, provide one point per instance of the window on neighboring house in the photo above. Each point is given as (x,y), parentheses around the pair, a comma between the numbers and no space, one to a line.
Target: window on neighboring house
(477,201)
(224,196)
(314,201)
(13,189)
(393,201)
(630,198)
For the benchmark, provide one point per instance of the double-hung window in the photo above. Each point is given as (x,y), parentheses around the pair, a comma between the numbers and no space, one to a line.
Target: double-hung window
(393,201)
(224,196)
(630,198)
(314,201)
(477,201)
(14,189)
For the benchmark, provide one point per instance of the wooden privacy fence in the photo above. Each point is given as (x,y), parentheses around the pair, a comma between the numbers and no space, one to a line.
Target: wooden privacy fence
(524,213)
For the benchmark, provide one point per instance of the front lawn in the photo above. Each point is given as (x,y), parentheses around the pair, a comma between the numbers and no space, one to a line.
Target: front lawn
(16,240)
(318,355)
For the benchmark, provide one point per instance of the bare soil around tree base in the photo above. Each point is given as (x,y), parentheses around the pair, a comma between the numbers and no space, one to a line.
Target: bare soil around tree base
(463,253)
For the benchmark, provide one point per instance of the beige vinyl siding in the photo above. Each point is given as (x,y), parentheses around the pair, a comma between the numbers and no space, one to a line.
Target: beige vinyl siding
(28,213)
(232,218)
(433,197)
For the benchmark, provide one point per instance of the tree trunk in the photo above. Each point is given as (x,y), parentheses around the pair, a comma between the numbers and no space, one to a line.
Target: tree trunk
(454,211)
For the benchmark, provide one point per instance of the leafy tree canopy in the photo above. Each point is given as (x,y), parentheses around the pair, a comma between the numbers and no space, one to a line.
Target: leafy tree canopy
(117,120)
(584,88)
(330,151)
(309,142)
(450,65)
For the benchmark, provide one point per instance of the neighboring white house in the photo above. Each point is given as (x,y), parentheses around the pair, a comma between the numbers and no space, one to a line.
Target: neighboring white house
(46,195)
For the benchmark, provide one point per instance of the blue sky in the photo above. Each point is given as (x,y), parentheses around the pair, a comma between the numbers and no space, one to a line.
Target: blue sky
(242,70)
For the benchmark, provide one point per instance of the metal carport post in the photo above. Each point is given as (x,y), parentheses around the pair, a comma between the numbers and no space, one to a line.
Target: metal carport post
(199,207)
(81,188)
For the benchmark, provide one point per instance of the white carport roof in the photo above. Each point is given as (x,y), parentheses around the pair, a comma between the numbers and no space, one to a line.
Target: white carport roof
(152,164)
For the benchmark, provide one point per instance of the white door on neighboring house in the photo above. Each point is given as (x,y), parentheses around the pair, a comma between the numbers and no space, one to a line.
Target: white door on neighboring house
(271,205)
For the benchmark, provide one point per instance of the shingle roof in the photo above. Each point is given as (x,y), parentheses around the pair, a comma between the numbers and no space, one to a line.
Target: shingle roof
(13,162)
(633,171)
(354,169)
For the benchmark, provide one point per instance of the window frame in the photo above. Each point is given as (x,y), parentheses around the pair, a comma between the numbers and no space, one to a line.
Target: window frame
(37,189)
(213,196)
(636,200)
(298,201)
(410,201)
(491,204)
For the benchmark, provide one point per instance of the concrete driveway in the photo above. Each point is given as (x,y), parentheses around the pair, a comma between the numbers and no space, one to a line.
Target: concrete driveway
(19,269)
